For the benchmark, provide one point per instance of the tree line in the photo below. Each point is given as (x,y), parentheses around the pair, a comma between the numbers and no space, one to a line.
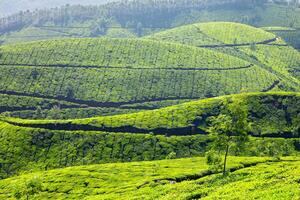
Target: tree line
(129,14)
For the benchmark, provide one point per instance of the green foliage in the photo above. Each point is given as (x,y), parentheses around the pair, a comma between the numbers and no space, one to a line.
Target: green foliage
(226,130)
(39,149)
(17,103)
(117,53)
(164,70)
(171,155)
(214,160)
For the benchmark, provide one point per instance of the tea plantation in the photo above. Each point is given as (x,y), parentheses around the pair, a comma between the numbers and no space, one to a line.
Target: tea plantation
(95,118)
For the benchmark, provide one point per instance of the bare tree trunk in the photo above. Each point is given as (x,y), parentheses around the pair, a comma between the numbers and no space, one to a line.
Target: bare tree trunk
(225,159)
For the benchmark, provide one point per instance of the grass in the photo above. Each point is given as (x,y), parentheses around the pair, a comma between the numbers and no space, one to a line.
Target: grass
(120,181)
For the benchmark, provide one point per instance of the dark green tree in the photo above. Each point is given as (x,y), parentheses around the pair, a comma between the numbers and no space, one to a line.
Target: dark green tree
(227,129)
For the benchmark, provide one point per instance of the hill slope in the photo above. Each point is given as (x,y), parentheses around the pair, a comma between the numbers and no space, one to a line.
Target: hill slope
(111,73)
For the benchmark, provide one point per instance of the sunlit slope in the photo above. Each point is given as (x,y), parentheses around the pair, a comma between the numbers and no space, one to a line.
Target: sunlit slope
(182,178)
(114,73)
(249,43)
(120,53)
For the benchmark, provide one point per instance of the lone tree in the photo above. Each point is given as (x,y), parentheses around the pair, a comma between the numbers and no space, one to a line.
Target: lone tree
(227,129)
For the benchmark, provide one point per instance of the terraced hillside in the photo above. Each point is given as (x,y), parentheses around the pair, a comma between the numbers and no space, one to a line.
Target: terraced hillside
(254,45)
(183,178)
(47,144)
(119,74)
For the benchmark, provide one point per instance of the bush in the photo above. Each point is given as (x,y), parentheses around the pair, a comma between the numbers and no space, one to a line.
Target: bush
(171,155)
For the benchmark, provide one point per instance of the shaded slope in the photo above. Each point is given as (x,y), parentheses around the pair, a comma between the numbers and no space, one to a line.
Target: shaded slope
(290,35)
(272,114)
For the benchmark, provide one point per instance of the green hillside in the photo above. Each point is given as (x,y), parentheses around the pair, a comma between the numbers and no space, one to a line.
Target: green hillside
(181,179)
(271,114)
(112,74)
(214,33)
(116,53)
(254,45)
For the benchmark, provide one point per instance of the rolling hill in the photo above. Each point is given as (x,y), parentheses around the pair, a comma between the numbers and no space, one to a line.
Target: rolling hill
(91,77)
(111,73)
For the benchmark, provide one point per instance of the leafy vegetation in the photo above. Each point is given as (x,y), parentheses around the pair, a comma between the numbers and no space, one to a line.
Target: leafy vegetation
(214,33)
(228,130)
